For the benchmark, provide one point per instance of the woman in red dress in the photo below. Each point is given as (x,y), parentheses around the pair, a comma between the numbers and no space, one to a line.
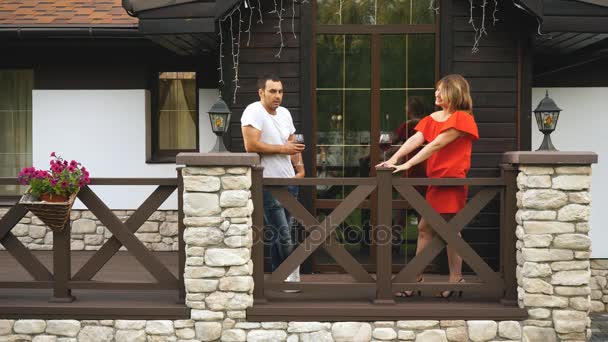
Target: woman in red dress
(449,134)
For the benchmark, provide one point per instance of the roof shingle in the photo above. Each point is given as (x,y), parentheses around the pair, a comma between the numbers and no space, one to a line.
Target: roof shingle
(64,13)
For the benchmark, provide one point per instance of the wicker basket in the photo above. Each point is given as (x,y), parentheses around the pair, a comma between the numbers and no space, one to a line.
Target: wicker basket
(54,215)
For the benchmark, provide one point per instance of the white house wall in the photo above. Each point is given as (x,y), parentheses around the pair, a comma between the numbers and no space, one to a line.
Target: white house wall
(582,127)
(105,130)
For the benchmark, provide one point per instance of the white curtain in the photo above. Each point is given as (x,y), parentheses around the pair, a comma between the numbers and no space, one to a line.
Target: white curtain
(15,124)
(178,112)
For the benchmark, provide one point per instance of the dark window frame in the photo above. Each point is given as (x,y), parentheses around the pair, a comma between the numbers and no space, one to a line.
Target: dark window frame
(154,155)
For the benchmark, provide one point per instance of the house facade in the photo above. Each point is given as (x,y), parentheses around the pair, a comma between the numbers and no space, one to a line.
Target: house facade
(125,86)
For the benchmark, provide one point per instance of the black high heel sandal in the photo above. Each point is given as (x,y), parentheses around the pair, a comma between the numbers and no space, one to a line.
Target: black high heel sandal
(448,294)
(408,294)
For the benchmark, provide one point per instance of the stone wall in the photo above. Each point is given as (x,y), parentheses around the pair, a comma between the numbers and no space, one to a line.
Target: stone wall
(159,233)
(553,275)
(553,250)
(599,285)
(233,331)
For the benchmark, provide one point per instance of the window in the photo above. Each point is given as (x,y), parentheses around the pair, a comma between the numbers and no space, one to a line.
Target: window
(174,116)
(15,126)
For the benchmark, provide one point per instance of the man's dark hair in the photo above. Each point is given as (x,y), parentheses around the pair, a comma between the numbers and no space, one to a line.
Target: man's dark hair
(417,107)
(262,80)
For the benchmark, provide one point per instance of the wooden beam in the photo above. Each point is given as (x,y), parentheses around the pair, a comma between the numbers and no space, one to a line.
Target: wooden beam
(176,26)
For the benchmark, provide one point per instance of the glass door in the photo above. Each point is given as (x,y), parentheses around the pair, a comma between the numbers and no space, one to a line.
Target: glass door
(373,57)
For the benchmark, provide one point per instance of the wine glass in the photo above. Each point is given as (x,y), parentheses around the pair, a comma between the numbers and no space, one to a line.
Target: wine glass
(298,138)
(385,143)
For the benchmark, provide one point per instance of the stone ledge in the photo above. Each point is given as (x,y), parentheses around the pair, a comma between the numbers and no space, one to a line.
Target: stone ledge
(549,158)
(218,159)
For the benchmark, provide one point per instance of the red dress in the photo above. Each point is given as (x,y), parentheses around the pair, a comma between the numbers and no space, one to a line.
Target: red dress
(452,161)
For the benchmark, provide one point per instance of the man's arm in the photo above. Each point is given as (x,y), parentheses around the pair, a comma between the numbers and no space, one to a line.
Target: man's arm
(297,162)
(251,138)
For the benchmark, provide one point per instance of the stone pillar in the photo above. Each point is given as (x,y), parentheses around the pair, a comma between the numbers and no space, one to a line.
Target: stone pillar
(218,237)
(553,247)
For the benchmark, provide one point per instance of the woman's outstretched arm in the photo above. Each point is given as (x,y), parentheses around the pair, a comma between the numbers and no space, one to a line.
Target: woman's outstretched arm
(440,142)
(410,145)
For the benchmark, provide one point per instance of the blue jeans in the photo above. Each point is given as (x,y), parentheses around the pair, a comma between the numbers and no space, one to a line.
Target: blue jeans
(277,221)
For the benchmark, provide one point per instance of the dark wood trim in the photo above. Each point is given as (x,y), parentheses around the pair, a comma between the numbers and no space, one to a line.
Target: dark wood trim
(549,158)
(218,159)
(176,26)
(357,311)
(508,238)
(94,311)
(307,86)
(257,250)
(8,200)
(575,24)
(62,265)
(188,10)
(375,29)
(181,229)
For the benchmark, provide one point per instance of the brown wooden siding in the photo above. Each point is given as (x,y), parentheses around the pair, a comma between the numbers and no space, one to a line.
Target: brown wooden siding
(500,99)
(258,59)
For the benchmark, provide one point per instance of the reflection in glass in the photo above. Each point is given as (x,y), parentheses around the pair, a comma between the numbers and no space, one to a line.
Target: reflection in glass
(385,143)
(374,12)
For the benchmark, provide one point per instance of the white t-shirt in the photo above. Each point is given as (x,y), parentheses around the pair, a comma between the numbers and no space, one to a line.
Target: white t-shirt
(276,130)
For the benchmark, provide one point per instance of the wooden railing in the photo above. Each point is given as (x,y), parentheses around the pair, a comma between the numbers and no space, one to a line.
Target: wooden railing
(499,286)
(123,234)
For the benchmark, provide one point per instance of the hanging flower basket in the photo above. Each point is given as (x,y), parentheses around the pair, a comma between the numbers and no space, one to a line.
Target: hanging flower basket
(54,214)
(52,192)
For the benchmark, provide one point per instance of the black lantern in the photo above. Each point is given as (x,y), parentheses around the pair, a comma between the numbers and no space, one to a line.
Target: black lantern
(219,114)
(546,115)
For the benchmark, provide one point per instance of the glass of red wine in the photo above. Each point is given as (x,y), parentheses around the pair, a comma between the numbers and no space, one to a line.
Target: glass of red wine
(298,138)
(386,142)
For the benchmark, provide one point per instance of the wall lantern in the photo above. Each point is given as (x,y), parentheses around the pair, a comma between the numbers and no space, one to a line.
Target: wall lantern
(546,115)
(219,114)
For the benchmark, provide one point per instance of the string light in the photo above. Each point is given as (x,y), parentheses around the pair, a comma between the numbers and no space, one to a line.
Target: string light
(235,46)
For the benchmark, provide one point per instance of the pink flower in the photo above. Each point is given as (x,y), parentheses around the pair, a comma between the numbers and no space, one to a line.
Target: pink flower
(64,184)
(73,163)
(71,168)
(53,182)
(53,154)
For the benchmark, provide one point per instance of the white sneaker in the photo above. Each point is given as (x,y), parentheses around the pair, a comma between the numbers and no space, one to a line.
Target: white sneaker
(294,277)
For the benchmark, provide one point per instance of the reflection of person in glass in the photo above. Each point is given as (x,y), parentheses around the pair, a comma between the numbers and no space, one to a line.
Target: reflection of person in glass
(268,129)
(449,134)
(415,110)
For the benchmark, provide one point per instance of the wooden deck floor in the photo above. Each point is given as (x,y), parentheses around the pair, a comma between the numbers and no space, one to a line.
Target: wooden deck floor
(156,304)
(91,304)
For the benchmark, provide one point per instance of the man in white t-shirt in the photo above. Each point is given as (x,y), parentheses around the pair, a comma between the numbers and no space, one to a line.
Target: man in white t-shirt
(268,130)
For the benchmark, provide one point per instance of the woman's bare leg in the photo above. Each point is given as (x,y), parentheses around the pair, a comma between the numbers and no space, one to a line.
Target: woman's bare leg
(454,260)
(425,235)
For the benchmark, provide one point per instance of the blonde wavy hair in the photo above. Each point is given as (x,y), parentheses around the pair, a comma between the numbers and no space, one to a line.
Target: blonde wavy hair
(456,91)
